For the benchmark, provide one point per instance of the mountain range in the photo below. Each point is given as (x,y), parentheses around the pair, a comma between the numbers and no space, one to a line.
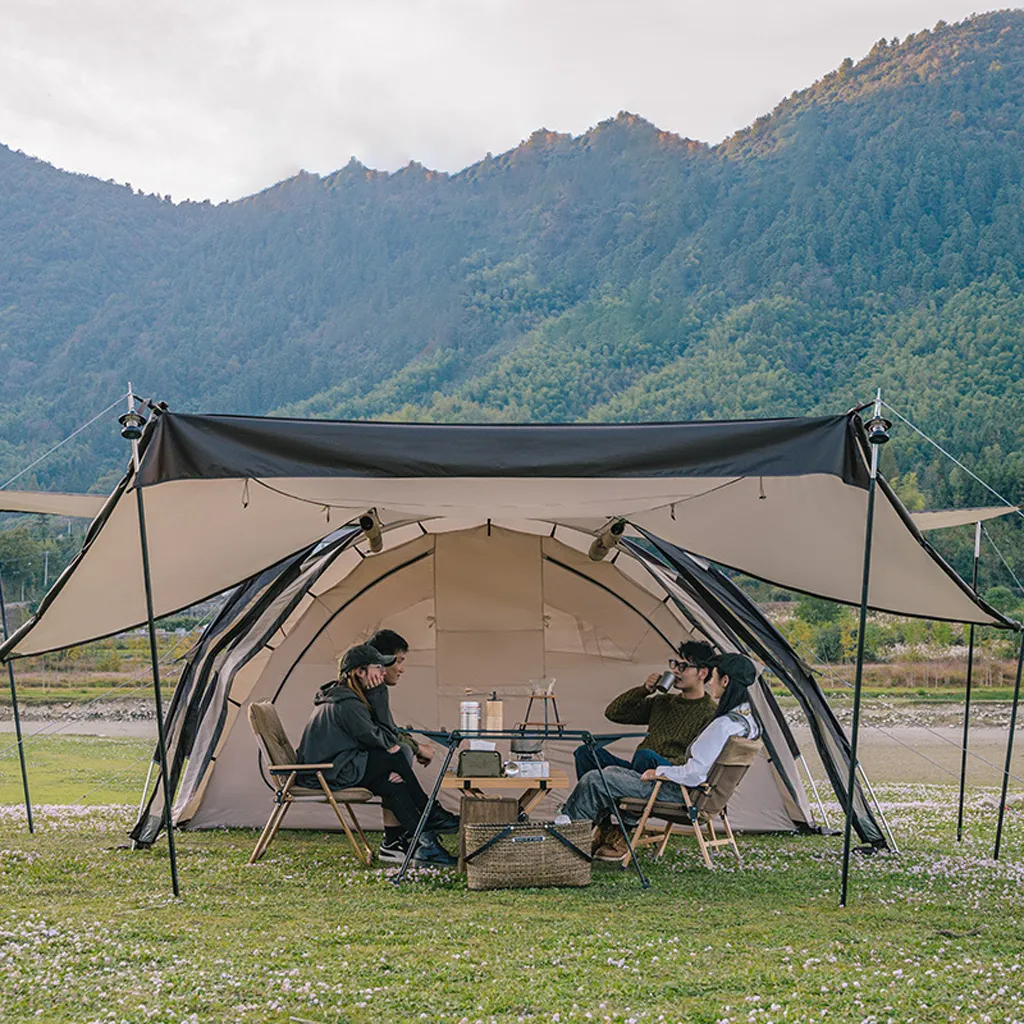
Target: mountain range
(868,232)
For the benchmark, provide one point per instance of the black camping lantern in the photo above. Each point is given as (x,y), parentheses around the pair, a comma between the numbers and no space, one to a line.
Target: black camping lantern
(131,425)
(878,428)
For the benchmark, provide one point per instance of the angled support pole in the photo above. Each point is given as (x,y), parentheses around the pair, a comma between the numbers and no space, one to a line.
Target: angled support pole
(588,739)
(17,716)
(1009,750)
(131,430)
(814,789)
(161,738)
(878,434)
(454,739)
(967,693)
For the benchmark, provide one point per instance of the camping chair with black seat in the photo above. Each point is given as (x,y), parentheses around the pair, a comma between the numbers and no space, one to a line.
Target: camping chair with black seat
(702,804)
(285,773)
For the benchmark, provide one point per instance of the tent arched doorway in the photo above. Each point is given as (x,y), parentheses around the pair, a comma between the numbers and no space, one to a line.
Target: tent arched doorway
(484,607)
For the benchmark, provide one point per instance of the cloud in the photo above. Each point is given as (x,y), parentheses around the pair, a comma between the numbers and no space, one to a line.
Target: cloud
(218,99)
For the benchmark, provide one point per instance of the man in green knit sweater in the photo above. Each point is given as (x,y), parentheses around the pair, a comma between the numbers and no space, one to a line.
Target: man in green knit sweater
(673,720)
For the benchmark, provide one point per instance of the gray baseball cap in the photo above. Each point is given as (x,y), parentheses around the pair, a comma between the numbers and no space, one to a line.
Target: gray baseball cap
(363,654)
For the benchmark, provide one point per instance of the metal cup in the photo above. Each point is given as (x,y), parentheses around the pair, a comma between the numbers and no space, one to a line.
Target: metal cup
(665,682)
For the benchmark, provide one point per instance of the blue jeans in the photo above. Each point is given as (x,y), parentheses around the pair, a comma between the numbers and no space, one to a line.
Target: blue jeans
(642,760)
(589,800)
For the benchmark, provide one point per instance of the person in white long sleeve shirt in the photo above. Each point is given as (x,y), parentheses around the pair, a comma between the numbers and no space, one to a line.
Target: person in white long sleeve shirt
(731,676)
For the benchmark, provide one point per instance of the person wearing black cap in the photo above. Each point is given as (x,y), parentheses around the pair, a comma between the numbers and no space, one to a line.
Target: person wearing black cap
(731,675)
(347,730)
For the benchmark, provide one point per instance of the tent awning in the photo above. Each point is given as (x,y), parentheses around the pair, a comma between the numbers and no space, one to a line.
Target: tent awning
(74,506)
(939,519)
(781,499)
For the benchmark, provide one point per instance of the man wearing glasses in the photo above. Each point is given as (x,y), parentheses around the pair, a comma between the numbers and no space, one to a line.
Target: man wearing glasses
(673,720)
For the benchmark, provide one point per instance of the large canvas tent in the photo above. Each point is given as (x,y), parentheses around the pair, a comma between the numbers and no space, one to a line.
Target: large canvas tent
(483,607)
(224,497)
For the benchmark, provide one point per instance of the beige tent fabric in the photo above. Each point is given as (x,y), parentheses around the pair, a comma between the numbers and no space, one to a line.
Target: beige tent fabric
(804,532)
(807,533)
(942,518)
(484,608)
(74,506)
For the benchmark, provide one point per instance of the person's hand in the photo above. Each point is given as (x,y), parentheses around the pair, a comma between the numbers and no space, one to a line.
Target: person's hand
(651,680)
(395,749)
(425,754)
(651,775)
(374,676)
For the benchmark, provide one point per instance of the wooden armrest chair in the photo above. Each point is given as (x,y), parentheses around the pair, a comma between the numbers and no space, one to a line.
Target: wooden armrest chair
(701,805)
(284,771)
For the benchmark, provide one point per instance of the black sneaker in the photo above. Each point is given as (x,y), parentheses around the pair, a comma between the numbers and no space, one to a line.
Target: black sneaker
(430,852)
(440,820)
(392,852)
(434,854)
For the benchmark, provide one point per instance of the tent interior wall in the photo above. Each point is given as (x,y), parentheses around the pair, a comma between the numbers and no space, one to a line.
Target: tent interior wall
(485,605)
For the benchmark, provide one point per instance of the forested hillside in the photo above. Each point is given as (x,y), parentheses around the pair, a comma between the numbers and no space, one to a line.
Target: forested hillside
(867,232)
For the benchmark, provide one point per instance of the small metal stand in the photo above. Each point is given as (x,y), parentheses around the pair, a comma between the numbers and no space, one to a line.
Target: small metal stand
(452,741)
(548,724)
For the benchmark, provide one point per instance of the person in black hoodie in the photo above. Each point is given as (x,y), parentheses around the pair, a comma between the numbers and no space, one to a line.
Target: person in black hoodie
(351,729)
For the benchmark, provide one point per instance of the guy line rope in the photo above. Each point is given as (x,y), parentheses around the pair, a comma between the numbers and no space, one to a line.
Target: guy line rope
(907,718)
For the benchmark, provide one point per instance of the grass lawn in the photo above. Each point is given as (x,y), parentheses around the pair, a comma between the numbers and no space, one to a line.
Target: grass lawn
(90,933)
(64,769)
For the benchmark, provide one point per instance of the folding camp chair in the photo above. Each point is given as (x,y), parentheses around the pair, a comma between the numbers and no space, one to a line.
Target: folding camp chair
(702,804)
(281,764)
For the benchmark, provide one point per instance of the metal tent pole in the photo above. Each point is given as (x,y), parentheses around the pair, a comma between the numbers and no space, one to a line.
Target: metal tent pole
(878,807)
(1009,750)
(142,800)
(817,796)
(967,693)
(454,739)
(161,741)
(591,743)
(14,705)
(131,430)
(878,434)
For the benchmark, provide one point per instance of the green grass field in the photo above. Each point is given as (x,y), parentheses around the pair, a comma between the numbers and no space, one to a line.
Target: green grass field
(89,931)
(75,769)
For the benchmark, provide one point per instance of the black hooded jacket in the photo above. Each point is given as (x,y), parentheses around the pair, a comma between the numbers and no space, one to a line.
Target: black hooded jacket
(343,728)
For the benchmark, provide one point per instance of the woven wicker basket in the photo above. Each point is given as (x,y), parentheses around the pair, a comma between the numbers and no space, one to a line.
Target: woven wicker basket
(527,856)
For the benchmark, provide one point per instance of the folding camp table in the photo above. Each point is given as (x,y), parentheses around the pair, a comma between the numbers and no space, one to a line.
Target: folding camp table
(529,792)
(452,740)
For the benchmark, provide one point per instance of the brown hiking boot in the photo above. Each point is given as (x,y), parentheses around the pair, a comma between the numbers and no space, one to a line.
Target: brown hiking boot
(614,849)
(599,837)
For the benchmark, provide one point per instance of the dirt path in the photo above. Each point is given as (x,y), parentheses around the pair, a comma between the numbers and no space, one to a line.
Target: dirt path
(918,754)
(900,743)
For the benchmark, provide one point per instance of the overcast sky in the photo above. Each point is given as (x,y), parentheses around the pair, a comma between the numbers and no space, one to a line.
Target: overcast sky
(221,98)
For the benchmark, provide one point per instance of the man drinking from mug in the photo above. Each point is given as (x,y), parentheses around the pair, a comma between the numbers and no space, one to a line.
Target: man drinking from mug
(673,720)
